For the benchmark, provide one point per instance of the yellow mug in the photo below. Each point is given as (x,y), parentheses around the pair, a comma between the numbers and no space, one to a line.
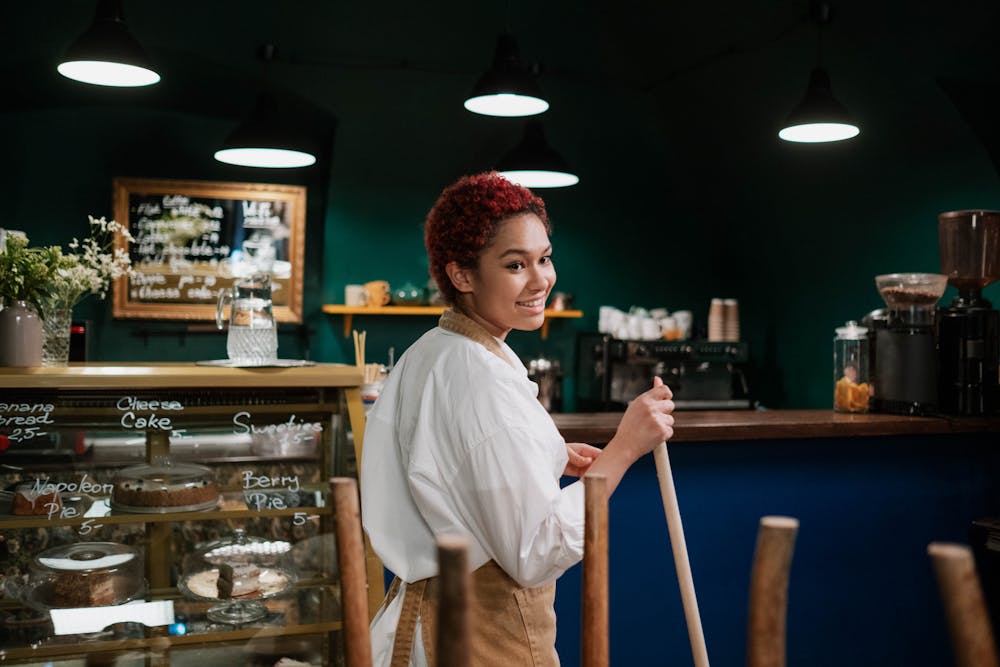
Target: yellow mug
(378,292)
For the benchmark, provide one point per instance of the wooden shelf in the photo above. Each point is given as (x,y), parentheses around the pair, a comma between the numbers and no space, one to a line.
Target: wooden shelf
(175,375)
(350,311)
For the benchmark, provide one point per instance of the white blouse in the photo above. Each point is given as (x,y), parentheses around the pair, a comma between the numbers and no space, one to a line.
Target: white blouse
(457,442)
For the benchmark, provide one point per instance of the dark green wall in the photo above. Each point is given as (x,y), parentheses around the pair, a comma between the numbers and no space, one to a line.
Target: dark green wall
(685,191)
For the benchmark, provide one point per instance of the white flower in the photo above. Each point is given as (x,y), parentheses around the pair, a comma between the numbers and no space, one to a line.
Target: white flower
(92,264)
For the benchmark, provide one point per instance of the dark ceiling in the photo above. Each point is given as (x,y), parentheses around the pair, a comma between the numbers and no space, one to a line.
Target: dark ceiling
(690,60)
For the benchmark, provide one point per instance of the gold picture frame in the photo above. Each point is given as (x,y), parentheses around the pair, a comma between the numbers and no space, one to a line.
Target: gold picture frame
(193,238)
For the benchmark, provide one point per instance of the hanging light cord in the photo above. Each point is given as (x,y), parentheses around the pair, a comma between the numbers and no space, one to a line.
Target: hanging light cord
(722,54)
(821,13)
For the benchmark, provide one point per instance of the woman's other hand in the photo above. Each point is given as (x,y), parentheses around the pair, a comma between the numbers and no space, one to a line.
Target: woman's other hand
(581,455)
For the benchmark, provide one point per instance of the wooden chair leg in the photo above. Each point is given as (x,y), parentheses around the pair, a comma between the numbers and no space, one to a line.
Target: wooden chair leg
(772,563)
(351,562)
(594,641)
(964,605)
(453,641)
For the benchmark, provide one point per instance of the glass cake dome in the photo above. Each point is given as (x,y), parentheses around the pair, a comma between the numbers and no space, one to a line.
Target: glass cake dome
(164,486)
(238,572)
(85,574)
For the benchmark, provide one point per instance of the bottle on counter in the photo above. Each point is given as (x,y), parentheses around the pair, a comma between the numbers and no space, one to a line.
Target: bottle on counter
(851,384)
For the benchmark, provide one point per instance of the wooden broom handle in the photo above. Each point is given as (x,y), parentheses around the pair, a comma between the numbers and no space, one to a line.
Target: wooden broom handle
(594,640)
(351,563)
(772,562)
(964,605)
(453,643)
(681,562)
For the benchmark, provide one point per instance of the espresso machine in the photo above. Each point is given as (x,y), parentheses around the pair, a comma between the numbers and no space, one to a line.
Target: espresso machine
(906,377)
(702,375)
(968,338)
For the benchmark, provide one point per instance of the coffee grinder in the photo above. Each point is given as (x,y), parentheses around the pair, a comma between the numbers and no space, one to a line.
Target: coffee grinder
(906,378)
(968,328)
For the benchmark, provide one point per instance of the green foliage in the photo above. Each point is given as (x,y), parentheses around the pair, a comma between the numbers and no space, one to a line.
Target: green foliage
(26,273)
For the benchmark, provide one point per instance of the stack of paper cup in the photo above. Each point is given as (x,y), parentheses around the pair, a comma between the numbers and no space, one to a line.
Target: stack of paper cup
(731,320)
(716,321)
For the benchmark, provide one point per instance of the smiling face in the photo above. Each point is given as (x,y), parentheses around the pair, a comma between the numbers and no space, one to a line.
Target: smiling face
(509,287)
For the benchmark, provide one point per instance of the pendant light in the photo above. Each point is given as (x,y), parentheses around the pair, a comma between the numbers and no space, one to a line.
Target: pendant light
(508,88)
(266,138)
(107,54)
(535,164)
(819,117)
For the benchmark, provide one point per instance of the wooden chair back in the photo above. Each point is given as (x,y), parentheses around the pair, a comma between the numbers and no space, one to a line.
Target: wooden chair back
(454,622)
(594,646)
(772,562)
(964,605)
(353,580)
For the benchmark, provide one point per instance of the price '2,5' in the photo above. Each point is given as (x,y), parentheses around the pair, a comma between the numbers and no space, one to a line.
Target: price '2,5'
(23,434)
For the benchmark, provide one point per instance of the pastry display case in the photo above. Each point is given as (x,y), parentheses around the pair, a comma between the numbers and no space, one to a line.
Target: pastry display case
(169,514)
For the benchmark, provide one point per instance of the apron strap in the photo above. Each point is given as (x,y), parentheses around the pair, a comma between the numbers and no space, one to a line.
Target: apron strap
(406,629)
(456,322)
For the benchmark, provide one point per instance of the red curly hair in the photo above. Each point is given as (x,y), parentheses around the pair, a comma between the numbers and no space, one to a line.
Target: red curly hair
(466,218)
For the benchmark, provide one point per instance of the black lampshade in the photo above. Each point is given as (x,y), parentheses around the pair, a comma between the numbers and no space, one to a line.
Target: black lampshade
(268,138)
(819,117)
(508,88)
(535,164)
(107,54)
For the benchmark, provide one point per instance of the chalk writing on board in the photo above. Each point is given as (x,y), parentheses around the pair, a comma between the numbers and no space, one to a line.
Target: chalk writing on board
(28,420)
(194,238)
(134,413)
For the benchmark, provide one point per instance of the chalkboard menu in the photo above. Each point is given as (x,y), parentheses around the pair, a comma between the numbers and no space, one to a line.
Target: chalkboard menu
(192,239)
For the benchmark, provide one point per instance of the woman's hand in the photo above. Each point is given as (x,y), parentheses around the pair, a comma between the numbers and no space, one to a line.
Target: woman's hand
(648,420)
(581,455)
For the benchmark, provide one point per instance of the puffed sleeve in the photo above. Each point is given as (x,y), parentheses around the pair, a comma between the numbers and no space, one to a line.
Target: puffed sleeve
(505,488)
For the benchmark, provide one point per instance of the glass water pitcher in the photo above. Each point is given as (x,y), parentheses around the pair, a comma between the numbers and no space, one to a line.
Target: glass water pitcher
(253,333)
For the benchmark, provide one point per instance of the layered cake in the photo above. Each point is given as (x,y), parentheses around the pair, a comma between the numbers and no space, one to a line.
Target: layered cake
(35,498)
(165,486)
(101,589)
(237,581)
(88,574)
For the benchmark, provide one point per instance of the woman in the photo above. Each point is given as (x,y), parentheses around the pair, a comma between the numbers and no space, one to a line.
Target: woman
(458,442)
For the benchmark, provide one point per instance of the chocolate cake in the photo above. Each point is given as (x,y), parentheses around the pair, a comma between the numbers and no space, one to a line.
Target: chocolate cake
(237,581)
(72,589)
(156,492)
(164,485)
(87,574)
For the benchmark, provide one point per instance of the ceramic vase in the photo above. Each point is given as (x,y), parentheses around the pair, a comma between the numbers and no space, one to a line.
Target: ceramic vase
(20,335)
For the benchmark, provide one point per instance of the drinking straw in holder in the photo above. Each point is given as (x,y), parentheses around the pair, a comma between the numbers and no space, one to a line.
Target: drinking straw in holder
(359,348)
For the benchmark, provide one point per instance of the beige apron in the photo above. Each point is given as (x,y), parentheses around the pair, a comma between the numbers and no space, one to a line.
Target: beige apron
(510,625)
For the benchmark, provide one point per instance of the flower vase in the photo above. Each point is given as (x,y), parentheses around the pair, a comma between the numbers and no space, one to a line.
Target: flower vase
(56,322)
(20,335)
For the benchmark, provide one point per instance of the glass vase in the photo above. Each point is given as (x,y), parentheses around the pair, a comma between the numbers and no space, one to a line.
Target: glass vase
(56,322)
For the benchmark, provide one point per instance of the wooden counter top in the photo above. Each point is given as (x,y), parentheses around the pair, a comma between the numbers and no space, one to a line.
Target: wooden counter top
(175,375)
(694,426)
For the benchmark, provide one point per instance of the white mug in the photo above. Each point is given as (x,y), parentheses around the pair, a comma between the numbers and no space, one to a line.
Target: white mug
(355,295)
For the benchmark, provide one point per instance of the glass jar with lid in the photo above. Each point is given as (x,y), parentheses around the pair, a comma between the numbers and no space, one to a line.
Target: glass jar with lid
(851,385)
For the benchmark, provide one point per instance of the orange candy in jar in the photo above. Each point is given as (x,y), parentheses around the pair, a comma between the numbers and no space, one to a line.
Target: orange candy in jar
(851,388)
